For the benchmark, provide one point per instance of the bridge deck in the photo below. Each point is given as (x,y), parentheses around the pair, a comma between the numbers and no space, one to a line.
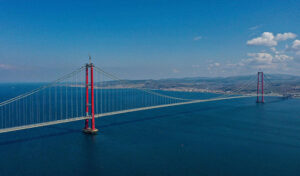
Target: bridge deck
(116,112)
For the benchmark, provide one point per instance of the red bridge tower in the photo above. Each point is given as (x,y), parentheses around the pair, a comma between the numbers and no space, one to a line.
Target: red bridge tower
(260,87)
(86,128)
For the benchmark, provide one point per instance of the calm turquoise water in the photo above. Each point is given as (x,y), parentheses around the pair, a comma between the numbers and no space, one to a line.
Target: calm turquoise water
(231,137)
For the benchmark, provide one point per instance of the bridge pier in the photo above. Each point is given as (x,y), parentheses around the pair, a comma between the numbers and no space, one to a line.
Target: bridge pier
(90,131)
(87,129)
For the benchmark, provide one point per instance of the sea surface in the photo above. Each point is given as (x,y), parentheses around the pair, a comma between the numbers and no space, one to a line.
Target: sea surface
(229,137)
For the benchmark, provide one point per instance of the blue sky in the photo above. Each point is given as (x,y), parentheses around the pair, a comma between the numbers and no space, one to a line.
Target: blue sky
(42,40)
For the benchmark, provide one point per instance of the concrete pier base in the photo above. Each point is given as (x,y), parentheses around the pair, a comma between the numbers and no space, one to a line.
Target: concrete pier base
(90,131)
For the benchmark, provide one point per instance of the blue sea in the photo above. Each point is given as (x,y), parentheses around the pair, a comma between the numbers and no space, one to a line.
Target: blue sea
(230,137)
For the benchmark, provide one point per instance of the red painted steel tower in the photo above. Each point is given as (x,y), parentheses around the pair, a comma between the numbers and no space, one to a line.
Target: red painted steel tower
(87,95)
(87,129)
(260,87)
(92,99)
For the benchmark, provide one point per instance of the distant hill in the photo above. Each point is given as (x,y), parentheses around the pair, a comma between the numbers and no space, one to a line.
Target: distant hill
(274,83)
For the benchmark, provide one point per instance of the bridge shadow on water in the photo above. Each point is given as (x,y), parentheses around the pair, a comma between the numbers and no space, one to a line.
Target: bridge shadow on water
(277,100)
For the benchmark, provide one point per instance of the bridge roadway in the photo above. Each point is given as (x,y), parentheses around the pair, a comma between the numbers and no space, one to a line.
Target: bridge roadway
(120,112)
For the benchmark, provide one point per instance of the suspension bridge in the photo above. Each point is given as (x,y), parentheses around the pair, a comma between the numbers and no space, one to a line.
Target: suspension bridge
(89,92)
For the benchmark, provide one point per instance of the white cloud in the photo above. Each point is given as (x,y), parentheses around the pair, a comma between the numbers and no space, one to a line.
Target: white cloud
(214,68)
(265,60)
(274,50)
(213,65)
(217,64)
(296,45)
(259,59)
(175,70)
(268,38)
(282,58)
(197,38)
(254,27)
(273,59)
(273,62)
(285,36)
(6,67)
(269,60)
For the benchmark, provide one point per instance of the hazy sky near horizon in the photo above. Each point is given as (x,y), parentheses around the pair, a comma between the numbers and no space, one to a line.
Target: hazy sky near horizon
(42,40)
